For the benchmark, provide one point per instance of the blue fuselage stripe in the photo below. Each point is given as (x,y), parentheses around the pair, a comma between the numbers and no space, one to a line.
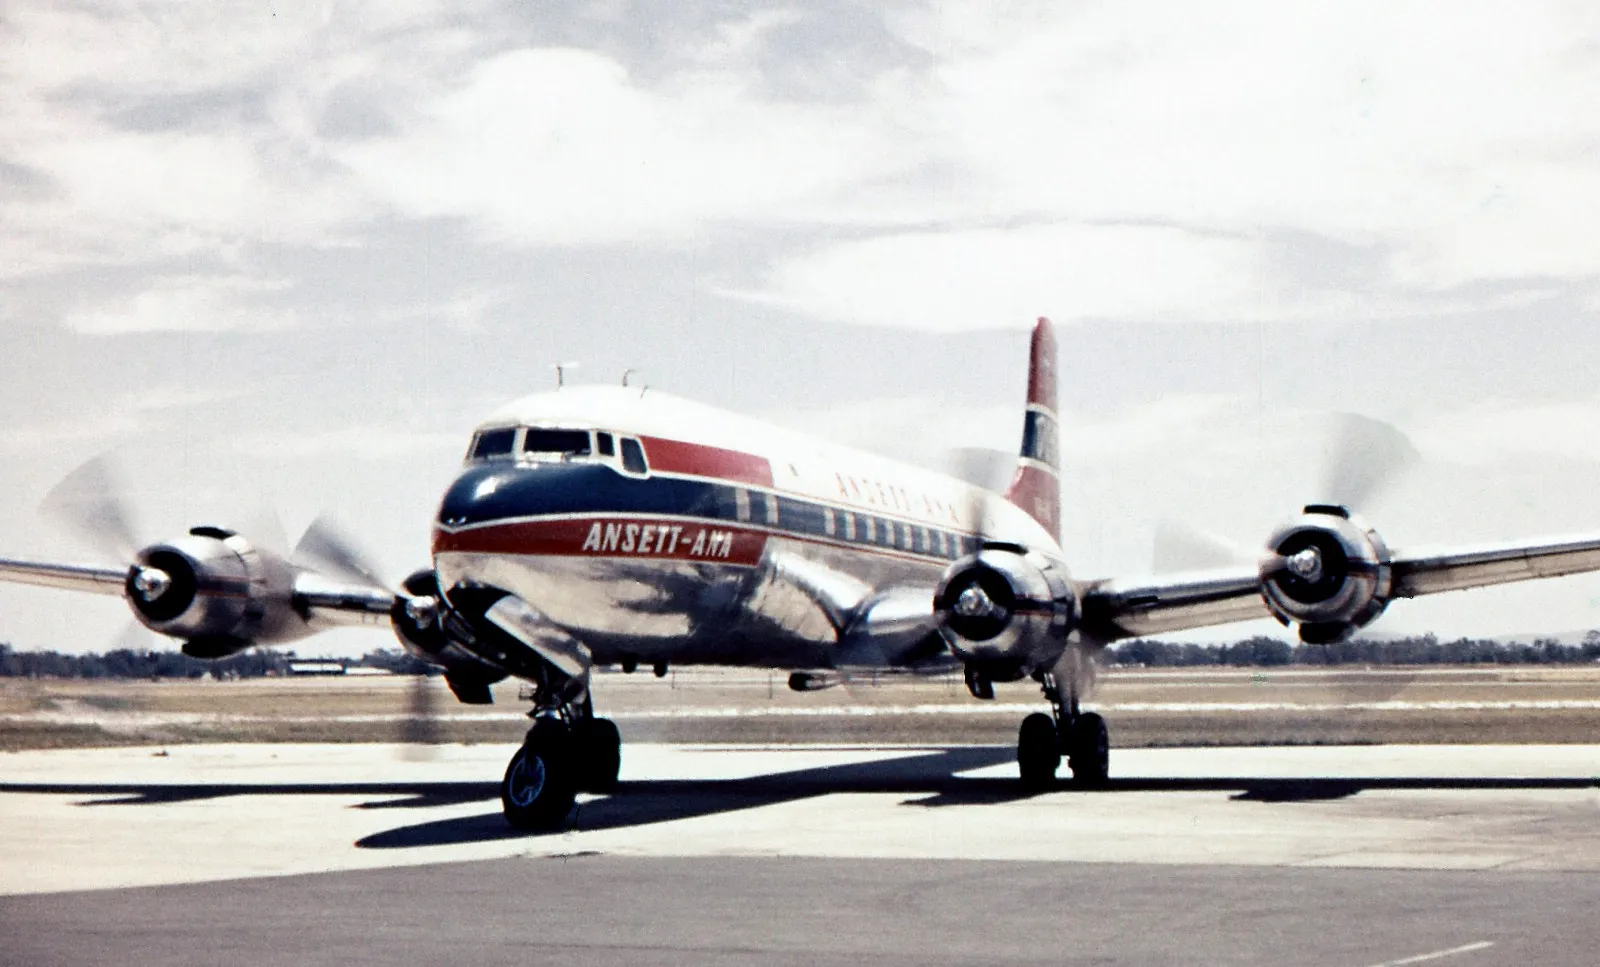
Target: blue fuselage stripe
(504,492)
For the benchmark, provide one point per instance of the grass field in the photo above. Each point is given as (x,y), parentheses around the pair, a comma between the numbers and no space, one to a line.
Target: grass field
(1144,708)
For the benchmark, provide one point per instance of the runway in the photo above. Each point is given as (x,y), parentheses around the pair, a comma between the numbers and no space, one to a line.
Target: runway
(266,854)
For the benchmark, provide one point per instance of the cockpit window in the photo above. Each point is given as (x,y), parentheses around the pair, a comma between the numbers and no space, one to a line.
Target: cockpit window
(556,443)
(633,456)
(493,443)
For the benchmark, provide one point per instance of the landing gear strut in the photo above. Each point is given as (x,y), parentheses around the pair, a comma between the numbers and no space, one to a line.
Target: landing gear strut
(567,751)
(1043,739)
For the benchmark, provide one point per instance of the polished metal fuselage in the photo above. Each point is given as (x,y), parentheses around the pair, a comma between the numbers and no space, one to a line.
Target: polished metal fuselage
(700,612)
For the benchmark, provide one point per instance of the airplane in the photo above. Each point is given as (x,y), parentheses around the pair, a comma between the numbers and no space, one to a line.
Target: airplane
(600,526)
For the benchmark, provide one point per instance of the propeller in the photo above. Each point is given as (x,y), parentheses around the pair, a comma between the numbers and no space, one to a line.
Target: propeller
(326,548)
(1363,457)
(420,733)
(989,471)
(92,502)
(1182,547)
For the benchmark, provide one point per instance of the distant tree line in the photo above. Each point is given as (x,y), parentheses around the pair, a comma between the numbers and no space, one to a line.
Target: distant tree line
(1262,651)
(1257,652)
(126,663)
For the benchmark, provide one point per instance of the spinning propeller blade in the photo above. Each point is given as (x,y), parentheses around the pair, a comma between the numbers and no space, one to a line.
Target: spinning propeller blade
(1363,458)
(327,548)
(92,502)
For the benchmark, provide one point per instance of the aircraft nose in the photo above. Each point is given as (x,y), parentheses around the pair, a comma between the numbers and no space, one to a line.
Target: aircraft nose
(478,494)
(505,490)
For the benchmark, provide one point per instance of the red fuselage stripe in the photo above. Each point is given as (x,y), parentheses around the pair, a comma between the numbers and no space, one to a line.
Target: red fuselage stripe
(699,460)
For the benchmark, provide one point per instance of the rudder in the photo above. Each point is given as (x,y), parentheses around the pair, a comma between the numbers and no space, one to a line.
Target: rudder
(1036,485)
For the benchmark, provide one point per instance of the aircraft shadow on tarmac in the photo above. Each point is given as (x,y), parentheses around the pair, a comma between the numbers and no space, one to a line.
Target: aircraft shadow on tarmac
(930,779)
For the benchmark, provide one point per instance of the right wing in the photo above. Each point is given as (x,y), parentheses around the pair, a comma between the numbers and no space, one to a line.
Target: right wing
(70,577)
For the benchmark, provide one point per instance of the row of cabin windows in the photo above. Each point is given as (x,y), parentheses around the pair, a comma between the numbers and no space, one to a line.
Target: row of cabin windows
(805,517)
(567,446)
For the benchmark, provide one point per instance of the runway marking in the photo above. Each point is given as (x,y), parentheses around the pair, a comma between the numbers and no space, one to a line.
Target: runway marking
(1438,954)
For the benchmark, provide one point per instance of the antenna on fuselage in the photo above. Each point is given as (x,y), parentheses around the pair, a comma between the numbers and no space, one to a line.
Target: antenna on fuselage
(561,373)
(629,372)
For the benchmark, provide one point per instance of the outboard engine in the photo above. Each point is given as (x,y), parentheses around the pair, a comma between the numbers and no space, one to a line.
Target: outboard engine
(215,590)
(1327,571)
(1006,611)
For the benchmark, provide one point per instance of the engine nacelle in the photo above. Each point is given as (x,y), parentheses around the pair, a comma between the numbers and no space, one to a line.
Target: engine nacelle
(215,590)
(1328,572)
(1006,611)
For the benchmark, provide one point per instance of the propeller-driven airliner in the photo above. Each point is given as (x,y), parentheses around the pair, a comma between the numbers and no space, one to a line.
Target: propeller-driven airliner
(605,526)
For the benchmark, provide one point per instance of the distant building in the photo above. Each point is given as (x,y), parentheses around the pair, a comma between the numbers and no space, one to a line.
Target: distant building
(316,668)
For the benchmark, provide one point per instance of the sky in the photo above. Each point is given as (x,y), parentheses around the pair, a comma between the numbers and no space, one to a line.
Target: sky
(278,258)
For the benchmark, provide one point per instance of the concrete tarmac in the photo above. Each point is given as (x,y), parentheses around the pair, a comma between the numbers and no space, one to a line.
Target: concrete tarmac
(267,854)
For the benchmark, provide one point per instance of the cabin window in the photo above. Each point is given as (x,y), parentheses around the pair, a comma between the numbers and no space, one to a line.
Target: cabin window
(872,530)
(927,542)
(741,505)
(494,443)
(944,543)
(606,444)
(555,444)
(827,521)
(772,509)
(633,456)
(849,526)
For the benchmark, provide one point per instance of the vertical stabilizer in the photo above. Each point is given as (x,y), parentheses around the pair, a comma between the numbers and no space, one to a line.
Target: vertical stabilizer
(1036,487)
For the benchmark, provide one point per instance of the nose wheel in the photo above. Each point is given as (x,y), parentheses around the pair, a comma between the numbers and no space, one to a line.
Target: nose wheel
(1079,736)
(541,781)
(567,751)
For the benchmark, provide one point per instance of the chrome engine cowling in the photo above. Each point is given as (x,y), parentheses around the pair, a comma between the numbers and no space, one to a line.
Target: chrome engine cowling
(1006,611)
(215,590)
(1328,572)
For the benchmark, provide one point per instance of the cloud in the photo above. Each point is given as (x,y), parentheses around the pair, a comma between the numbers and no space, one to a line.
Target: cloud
(1495,432)
(191,304)
(1004,278)
(1247,116)
(354,442)
(563,147)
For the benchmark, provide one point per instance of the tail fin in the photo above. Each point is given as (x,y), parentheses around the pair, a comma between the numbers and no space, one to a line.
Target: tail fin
(1036,486)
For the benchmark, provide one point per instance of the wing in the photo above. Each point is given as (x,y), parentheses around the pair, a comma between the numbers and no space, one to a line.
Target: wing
(309,601)
(70,577)
(1127,608)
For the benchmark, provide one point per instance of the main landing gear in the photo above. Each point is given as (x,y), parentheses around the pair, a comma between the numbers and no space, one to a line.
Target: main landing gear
(1044,738)
(567,751)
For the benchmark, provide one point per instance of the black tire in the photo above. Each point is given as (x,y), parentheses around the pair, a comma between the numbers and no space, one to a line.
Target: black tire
(598,749)
(538,789)
(1038,751)
(1089,749)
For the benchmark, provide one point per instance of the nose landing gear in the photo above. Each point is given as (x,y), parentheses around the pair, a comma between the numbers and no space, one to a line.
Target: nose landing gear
(567,751)
(1043,739)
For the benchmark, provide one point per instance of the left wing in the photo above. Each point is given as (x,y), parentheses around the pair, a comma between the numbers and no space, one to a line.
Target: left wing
(1331,580)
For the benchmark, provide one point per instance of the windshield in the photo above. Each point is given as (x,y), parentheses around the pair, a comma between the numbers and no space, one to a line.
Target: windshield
(556,443)
(493,443)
